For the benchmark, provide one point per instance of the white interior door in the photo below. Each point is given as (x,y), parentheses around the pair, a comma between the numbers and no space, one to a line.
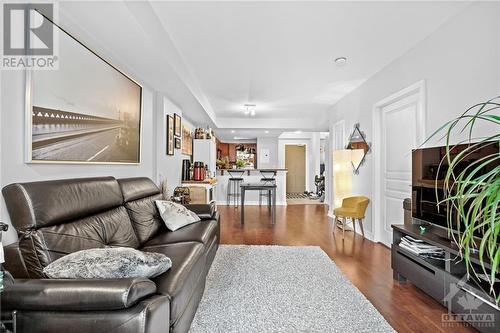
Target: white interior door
(400,131)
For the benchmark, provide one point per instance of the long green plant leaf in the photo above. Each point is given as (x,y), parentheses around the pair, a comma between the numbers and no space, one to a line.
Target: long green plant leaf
(472,196)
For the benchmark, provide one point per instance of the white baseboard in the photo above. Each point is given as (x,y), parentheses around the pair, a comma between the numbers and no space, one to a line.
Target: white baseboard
(369,235)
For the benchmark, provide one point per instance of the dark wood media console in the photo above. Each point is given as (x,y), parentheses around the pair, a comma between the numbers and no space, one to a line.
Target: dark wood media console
(445,280)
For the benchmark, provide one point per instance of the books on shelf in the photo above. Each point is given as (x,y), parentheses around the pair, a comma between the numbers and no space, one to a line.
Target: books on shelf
(420,248)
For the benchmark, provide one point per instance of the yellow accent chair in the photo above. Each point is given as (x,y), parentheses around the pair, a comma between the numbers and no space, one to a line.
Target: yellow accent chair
(353,208)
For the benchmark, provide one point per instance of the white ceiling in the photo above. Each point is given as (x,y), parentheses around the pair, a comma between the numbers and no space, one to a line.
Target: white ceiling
(210,58)
(280,55)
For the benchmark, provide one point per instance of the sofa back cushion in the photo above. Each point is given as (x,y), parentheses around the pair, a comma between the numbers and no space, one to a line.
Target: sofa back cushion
(139,195)
(54,218)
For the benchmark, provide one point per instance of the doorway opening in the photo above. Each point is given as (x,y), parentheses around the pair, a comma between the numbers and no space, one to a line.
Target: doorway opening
(296,160)
(295,163)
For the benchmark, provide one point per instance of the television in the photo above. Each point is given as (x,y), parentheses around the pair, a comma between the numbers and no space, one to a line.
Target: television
(427,175)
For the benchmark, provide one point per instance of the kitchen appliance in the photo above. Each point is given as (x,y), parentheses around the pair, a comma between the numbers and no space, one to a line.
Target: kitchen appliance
(186,167)
(199,171)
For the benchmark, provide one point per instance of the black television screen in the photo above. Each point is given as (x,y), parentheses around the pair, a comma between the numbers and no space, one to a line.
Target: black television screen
(427,175)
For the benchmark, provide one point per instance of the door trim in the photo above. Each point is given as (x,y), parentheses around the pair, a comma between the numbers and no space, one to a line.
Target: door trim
(418,88)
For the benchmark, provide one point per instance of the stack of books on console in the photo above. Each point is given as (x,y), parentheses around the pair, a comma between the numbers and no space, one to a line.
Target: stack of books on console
(420,248)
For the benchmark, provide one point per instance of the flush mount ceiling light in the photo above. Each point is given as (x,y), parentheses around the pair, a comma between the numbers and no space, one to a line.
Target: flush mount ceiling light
(267,132)
(233,131)
(249,109)
(340,61)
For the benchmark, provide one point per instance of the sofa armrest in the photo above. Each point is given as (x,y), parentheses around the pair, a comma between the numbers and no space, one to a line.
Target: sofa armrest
(75,295)
(204,211)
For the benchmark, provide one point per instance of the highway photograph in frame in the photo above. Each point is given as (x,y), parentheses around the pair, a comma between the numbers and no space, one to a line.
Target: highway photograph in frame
(87,111)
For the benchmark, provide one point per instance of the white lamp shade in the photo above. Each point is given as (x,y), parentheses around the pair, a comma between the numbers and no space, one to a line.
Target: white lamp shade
(342,175)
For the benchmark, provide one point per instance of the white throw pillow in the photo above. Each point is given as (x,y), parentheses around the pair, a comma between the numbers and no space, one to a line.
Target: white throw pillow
(175,215)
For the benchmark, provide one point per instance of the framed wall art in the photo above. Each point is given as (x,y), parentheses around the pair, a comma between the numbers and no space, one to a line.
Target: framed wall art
(177,143)
(170,135)
(177,125)
(87,111)
(187,141)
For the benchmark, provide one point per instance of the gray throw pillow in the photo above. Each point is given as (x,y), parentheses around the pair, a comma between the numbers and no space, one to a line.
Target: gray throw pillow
(174,215)
(108,263)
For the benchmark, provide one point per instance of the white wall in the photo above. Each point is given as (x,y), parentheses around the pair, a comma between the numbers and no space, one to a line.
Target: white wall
(168,167)
(271,145)
(460,65)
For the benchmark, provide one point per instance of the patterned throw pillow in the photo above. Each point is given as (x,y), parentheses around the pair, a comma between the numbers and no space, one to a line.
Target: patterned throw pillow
(175,215)
(108,263)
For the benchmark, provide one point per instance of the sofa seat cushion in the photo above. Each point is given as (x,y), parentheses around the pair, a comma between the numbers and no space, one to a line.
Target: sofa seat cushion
(202,232)
(184,277)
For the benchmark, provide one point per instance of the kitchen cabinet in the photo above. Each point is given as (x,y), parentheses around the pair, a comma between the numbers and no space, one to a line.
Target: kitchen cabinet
(232,152)
(222,150)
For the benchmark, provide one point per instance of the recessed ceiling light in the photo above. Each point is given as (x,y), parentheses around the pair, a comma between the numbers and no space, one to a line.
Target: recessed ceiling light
(233,131)
(341,61)
(298,132)
(267,132)
(249,109)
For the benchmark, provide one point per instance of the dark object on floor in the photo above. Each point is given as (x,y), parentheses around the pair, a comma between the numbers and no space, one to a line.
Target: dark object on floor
(54,218)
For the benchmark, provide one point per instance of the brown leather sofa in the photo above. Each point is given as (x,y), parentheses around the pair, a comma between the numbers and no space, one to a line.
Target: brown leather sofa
(54,218)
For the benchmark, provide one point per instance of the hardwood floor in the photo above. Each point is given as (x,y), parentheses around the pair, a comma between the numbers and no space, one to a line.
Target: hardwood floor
(365,263)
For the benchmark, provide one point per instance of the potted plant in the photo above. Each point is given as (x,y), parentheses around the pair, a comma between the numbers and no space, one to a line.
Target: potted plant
(472,198)
(240,164)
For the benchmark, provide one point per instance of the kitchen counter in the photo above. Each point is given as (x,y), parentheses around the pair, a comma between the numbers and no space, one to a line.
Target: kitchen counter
(222,172)
(252,176)
(211,181)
